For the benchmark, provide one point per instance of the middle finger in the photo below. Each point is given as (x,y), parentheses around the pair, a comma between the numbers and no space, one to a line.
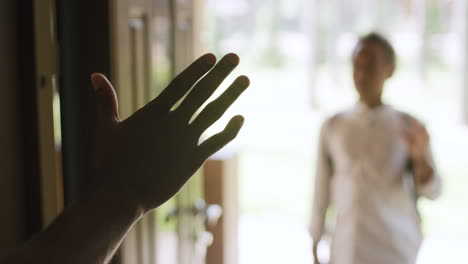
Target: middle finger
(206,86)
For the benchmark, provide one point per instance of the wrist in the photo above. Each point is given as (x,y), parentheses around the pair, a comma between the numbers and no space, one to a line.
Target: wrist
(115,202)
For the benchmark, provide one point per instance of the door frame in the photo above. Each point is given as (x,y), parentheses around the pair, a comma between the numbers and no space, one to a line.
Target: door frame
(46,75)
(31,176)
(84,49)
(138,246)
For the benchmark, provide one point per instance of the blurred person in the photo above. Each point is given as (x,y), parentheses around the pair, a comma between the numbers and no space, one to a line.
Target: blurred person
(141,163)
(373,163)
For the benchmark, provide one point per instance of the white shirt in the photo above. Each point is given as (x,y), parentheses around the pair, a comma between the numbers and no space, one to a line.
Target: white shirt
(362,172)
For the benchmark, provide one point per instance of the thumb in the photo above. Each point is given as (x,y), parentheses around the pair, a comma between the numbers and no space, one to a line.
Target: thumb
(106,99)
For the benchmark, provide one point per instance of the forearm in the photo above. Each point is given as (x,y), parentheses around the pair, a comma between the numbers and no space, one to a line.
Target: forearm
(88,232)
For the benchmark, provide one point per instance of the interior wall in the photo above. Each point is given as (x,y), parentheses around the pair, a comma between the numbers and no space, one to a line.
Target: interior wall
(12,212)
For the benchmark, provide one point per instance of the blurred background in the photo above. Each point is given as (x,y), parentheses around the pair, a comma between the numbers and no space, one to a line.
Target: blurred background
(297,55)
(251,203)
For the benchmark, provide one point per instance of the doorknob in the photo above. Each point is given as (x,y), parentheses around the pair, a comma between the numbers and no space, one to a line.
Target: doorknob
(201,217)
(171,214)
(209,213)
(207,216)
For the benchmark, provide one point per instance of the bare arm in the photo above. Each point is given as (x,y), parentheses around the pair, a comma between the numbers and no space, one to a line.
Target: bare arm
(90,231)
(141,162)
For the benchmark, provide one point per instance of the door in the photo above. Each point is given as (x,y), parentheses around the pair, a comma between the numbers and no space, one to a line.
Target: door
(131,71)
(48,110)
(152,41)
(193,239)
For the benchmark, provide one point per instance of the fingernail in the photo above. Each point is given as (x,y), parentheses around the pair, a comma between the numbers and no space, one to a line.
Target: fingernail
(244,80)
(95,82)
(240,120)
(233,58)
(210,59)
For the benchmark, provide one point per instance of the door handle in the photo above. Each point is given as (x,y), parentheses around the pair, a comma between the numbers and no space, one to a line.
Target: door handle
(171,214)
(209,213)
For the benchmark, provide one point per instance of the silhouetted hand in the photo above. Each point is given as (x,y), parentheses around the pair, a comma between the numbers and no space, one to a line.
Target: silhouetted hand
(140,163)
(148,157)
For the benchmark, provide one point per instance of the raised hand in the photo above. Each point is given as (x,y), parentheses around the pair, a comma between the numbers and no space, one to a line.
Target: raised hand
(141,162)
(148,157)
